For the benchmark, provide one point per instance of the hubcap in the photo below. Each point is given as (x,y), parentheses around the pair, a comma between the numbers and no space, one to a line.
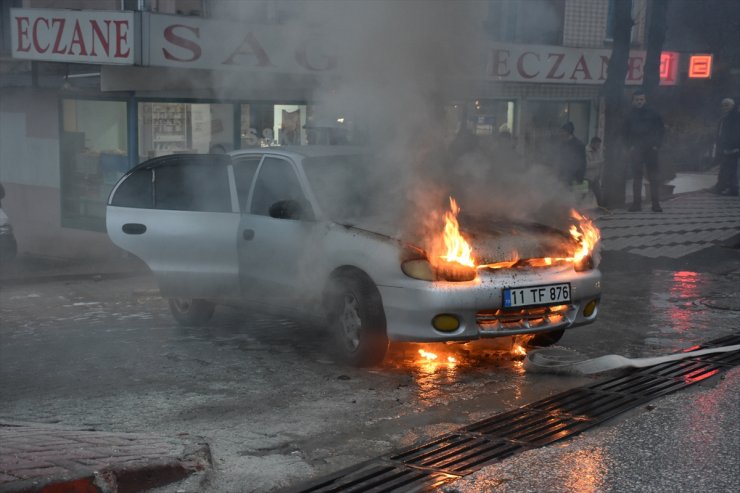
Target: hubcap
(351,322)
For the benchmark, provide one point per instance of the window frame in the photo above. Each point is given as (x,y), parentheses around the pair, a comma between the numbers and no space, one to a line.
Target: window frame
(86,222)
(296,172)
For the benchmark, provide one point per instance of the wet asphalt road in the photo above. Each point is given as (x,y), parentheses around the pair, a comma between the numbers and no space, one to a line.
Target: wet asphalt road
(265,391)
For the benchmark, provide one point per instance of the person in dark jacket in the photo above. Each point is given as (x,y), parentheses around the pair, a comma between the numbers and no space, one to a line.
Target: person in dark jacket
(727,149)
(643,134)
(571,157)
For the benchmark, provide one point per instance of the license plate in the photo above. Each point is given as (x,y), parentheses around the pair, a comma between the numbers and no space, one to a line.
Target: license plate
(547,294)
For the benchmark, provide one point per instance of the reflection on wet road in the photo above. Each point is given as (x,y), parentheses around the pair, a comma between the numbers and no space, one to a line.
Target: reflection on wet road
(438,370)
(680,310)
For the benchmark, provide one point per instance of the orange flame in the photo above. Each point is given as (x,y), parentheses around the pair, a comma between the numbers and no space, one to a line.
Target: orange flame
(430,358)
(458,249)
(427,355)
(585,233)
(518,350)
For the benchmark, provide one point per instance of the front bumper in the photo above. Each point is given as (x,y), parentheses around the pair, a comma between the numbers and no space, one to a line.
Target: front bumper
(411,305)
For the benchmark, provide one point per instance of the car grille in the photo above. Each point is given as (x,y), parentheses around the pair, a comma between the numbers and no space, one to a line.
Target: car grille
(525,319)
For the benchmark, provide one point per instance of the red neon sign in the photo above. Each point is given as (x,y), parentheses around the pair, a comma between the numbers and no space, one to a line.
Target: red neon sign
(700,66)
(668,68)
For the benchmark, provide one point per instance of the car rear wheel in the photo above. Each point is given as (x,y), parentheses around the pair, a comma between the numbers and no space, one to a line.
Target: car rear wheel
(358,321)
(546,338)
(191,312)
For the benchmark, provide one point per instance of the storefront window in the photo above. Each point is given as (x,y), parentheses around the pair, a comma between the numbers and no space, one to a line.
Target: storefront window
(172,128)
(264,125)
(483,117)
(492,117)
(93,148)
(543,124)
(290,121)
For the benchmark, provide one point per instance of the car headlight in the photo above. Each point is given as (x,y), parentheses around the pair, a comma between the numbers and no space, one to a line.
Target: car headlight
(423,270)
(418,269)
(586,263)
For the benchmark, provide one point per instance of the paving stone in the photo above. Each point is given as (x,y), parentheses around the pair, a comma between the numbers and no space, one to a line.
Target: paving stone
(689,223)
(52,455)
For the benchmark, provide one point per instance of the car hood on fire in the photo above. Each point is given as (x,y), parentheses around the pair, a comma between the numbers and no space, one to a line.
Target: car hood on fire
(492,240)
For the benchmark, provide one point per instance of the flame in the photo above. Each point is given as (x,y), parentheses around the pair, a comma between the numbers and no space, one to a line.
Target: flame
(429,356)
(458,252)
(586,235)
(518,350)
(458,249)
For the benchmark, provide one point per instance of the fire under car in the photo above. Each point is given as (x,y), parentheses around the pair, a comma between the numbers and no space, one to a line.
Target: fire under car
(286,224)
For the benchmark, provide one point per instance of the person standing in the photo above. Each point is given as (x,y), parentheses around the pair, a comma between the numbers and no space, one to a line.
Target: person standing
(643,134)
(594,167)
(571,157)
(727,149)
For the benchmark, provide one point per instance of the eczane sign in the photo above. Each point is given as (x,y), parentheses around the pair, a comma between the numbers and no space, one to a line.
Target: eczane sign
(566,65)
(90,36)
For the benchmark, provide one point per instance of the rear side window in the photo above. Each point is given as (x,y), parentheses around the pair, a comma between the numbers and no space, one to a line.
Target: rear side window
(135,191)
(192,186)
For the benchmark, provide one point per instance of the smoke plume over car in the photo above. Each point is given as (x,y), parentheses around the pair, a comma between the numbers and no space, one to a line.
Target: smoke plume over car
(399,65)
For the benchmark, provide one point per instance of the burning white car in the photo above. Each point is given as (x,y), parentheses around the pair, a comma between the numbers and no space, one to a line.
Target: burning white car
(284,225)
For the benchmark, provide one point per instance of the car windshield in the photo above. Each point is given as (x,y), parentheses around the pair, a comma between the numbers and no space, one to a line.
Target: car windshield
(340,185)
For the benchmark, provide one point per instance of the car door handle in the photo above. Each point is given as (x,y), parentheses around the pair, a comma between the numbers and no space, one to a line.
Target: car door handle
(248,234)
(134,229)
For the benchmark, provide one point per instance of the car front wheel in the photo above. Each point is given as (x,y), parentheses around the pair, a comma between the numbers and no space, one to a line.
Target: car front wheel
(191,312)
(358,321)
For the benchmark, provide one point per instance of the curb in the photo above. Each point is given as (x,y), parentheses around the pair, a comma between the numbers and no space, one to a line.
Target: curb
(129,479)
(92,276)
(121,472)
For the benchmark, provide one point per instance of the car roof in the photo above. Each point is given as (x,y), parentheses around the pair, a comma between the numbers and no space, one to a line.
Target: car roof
(308,151)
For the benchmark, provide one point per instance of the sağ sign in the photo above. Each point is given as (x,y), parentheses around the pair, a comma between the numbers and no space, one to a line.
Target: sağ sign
(567,65)
(90,36)
(192,42)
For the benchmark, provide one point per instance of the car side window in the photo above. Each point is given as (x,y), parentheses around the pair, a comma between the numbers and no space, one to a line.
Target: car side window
(135,191)
(276,181)
(244,171)
(192,185)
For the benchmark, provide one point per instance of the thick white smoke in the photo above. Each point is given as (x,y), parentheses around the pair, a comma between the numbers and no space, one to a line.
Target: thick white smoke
(399,64)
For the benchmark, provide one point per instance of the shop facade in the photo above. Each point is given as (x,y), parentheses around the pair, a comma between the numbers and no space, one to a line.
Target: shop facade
(69,135)
(136,85)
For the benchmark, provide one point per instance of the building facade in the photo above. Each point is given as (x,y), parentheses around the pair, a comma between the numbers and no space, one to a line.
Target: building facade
(91,88)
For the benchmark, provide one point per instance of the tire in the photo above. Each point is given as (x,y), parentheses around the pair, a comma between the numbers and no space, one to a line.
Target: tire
(357,320)
(546,338)
(191,312)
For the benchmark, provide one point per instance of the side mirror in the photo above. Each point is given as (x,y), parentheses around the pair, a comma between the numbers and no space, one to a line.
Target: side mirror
(287,209)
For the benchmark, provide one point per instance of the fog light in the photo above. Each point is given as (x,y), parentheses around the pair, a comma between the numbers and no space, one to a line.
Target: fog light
(446,323)
(590,308)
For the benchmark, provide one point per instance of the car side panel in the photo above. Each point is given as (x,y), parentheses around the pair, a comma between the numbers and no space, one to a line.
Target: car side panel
(279,258)
(192,254)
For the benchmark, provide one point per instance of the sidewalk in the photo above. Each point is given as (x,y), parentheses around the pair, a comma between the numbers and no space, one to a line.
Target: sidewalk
(54,459)
(684,442)
(30,269)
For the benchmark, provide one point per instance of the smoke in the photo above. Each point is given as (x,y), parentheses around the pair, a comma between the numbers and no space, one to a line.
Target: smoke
(401,64)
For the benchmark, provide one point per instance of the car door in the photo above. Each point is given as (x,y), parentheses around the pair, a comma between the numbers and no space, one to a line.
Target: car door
(179,214)
(275,244)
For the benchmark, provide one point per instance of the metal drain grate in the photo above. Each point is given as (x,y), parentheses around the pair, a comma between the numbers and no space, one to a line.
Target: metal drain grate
(453,455)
